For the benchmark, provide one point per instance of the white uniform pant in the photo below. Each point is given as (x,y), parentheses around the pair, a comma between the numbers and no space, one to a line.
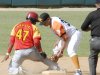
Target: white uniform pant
(32,54)
(71,44)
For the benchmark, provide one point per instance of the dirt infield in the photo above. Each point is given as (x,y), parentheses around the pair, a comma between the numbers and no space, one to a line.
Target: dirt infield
(35,68)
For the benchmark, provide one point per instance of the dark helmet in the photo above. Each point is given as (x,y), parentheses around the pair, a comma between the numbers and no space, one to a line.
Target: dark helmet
(32,16)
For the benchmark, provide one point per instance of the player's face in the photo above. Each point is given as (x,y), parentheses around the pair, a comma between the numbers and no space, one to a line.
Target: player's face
(46,22)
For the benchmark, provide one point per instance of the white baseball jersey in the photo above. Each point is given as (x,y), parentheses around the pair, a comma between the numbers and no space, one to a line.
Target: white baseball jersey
(61,27)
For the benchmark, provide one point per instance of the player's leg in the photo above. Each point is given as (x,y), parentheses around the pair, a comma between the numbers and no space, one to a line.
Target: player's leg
(93,57)
(72,49)
(52,65)
(14,66)
(35,56)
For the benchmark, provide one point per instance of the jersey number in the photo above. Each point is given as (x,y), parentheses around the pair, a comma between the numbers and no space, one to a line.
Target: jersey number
(65,22)
(19,34)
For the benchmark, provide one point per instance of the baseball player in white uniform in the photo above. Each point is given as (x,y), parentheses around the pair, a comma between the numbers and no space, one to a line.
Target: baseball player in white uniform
(69,38)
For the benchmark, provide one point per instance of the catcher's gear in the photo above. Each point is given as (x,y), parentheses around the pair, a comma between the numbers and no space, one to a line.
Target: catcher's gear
(43,54)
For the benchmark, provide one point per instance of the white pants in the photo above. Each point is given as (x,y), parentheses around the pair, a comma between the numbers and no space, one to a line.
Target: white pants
(72,44)
(32,54)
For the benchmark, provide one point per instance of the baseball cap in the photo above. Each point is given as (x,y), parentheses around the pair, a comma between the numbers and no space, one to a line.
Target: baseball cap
(43,17)
(97,1)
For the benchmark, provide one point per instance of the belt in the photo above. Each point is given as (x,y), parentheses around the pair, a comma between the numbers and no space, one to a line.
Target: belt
(95,36)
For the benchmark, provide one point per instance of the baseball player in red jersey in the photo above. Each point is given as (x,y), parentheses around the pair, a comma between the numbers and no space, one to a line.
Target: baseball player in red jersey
(68,35)
(25,37)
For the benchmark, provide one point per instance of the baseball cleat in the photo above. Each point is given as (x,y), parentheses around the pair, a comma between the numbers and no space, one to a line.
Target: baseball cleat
(78,72)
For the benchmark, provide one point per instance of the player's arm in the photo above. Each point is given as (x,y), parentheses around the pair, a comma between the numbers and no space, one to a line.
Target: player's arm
(10,46)
(37,38)
(11,40)
(11,43)
(86,24)
(59,48)
(37,44)
(56,42)
(64,36)
(63,40)
(37,41)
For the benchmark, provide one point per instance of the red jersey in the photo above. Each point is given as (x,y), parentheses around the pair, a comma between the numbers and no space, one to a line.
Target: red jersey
(24,33)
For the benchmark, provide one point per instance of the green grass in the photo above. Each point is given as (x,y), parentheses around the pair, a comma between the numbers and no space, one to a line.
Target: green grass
(9,18)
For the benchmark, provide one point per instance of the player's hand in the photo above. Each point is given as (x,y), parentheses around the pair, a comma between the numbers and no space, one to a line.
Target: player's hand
(5,58)
(43,54)
(59,54)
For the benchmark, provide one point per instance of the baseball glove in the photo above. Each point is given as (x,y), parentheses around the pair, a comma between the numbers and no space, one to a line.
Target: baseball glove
(54,58)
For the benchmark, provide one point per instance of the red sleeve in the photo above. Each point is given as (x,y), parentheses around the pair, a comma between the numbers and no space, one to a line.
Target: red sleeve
(12,39)
(37,44)
(11,43)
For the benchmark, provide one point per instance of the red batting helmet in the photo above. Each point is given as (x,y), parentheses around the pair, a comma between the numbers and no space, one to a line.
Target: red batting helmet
(32,15)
